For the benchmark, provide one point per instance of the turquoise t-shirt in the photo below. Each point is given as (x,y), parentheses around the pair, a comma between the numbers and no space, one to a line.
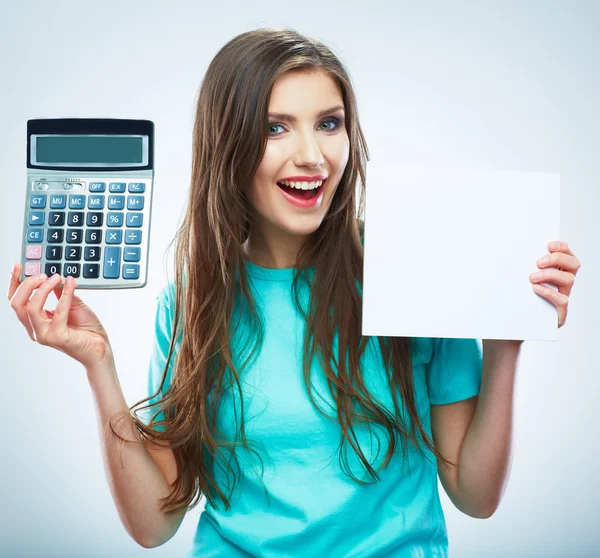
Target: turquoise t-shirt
(315,508)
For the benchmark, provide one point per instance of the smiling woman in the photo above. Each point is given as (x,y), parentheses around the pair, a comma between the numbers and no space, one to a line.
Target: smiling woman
(258,351)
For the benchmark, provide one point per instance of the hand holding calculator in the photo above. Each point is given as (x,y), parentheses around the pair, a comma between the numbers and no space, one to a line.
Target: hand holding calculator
(72,327)
(89,200)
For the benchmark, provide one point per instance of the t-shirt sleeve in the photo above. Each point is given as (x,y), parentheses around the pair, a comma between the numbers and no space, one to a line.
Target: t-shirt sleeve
(454,371)
(163,324)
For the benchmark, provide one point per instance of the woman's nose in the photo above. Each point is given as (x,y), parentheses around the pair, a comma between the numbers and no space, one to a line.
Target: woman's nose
(308,152)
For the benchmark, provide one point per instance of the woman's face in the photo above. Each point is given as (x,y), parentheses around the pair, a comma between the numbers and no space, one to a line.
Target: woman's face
(307,139)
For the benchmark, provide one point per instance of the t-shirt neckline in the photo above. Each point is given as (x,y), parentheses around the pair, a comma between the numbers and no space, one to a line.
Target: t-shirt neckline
(270,274)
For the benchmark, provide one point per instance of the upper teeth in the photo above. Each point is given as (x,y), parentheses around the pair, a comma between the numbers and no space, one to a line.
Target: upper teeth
(302,185)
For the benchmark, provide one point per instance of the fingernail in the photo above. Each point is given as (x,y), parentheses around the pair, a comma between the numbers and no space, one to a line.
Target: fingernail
(14,269)
(554,245)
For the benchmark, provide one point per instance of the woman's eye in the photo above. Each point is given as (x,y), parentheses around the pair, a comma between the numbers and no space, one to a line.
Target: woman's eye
(335,121)
(271,126)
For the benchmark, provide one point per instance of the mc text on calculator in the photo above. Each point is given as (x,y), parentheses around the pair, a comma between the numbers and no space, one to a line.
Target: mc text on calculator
(88,200)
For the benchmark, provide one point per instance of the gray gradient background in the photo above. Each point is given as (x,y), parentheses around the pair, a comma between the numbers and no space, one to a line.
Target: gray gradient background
(508,85)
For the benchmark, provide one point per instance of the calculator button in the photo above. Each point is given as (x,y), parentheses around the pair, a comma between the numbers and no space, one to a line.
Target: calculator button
(134,219)
(32,268)
(114,237)
(35,235)
(73,253)
(72,269)
(75,219)
(133,237)
(95,202)
(36,217)
(93,237)
(135,202)
(56,218)
(76,201)
(55,236)
(116,202)
(37,201)
(94,219)
(114,219)
(34,252)
(96,187)
(74,236)
(112,262)
(131,254)
(53,252)
(116,187)
(52,268)
(91,253)
(131,271)
(58,201)
(91,271)
(137,187)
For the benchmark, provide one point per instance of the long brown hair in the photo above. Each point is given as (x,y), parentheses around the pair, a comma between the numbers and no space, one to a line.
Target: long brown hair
(229,139)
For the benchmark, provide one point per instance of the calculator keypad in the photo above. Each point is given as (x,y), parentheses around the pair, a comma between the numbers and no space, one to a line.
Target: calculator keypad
(93,235)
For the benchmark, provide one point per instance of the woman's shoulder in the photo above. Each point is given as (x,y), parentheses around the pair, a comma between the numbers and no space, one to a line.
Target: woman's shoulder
(167,292)
(422,349)
(166,297)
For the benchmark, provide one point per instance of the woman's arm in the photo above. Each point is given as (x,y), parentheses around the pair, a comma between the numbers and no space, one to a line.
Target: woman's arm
(478,433)
(138,477)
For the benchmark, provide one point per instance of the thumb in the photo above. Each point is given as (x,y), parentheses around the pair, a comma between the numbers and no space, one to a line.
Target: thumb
(59,290)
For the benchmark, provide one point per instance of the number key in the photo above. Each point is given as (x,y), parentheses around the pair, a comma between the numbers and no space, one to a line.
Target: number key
(56,218)
(93,237)
(53,252)
(75,219)
(55,236)
(72,253)
(94,219)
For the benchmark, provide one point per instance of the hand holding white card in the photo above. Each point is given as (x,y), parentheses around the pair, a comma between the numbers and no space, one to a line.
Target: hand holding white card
(448,252)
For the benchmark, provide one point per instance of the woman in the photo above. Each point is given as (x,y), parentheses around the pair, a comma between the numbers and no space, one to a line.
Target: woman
(259,378)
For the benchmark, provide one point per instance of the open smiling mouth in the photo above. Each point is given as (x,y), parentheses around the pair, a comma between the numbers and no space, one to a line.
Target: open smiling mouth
(302,195)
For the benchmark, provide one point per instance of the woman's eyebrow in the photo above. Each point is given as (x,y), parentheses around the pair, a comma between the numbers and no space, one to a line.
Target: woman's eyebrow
(292,118)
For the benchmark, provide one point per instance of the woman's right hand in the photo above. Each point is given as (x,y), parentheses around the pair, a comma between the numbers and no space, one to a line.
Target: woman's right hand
(72,327)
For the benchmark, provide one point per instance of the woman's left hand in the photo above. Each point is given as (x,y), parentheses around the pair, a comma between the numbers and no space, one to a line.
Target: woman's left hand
(568,265)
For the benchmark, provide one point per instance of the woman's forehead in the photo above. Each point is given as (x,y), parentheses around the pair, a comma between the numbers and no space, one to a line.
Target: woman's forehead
(304,92)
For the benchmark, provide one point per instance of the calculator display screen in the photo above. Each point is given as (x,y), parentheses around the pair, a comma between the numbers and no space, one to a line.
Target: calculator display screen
(84,150)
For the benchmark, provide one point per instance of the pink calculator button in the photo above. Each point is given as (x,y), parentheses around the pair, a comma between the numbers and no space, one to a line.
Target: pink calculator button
(33,268)
(34,252)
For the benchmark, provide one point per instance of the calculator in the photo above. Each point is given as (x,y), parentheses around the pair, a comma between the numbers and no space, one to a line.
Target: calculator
(88,200)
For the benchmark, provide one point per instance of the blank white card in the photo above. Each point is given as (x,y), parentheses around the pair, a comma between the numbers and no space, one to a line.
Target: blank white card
(448,252)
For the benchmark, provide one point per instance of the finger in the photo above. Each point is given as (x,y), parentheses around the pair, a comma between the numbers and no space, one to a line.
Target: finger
(35,307)
(562,247)
(563,257)
(58,291)
(20,298)
(14,280)
(61,312)
(562,279)
(562,262)
(559,300)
